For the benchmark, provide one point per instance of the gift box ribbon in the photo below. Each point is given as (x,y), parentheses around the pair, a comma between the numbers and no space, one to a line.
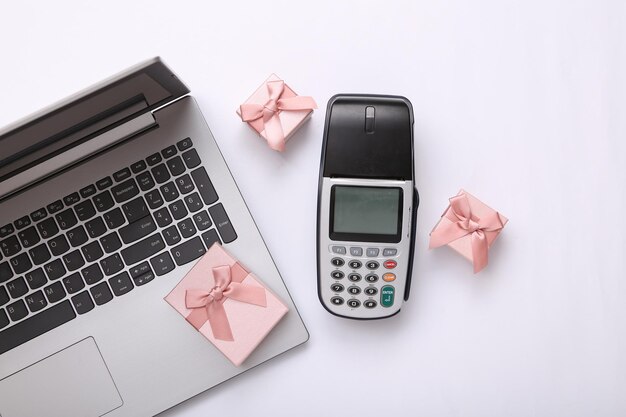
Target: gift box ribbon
(269,111)
(463,223)
(208,304)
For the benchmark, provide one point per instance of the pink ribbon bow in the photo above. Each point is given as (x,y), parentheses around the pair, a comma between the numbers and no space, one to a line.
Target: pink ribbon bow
(208,305)
(464,223)
(269,111)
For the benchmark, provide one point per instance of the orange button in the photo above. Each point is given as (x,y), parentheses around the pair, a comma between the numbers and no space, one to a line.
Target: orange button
(388,277)
(390,264)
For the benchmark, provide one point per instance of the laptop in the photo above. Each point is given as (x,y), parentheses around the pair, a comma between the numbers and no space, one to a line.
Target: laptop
(106,201)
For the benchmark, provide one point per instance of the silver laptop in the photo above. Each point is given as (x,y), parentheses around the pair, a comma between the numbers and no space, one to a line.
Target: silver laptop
(106,201)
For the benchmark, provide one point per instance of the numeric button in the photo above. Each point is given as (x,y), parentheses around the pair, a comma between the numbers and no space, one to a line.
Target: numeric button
(353,303)
(370,291)
(338,262)
(372,265)
(354,277)
(371,278)
(355,264)
(354,290)
(337,274)
(336,287)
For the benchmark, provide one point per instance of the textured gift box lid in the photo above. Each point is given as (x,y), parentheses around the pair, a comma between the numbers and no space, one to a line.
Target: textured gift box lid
(249,323)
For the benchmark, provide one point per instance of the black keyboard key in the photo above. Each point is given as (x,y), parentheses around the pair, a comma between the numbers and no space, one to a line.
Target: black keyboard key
(138,229)
(125,190)
(191,158)
(6,230)
(58,245)
(162,264)
(169,191)
(143,279)
(143,249)
(193,202)
(204,185)
(54,207)
(169,151)
(171,235)
(88,191)
(112,264)
(184,184)
(121,284)
(101,293)
(36,301)
(184,144)
(10,246)
(145,181)
(66,219)
(38,214)
(73,260)
(71,199)
(95,227)
(154,199)
(4,296)
(135,209)
(188,251)
(139,270)
(6,272)
(73,283)
(210,237)
(77,236)
(104,183)
(22,222)
(17,287)
(178,210)
(121,175)
(40,254)
(4,319)
(154,159)
(21,263)
(160,173)
(202,220)
(17,311)
(92,252)
(55,269)
(110,243)
(187,228)
(28,237)
(103,201)
(36,278)
(85,210)
(35,326)
(82,302)
(114,218)
(48,228)
(54,292)
(176,166)
(162,217)
(138,166)
(224,226)
(92,274)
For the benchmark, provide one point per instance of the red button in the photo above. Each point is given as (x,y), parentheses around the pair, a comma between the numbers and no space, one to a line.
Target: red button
(390,264)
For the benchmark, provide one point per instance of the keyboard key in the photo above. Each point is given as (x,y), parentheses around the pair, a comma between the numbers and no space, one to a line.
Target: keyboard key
(112,264)
(82,302)
(202,220)
(85,210)
(188,251)
(121,175)
(95,227)
(73,260)
(101,293)
(4,296)
(77,236)
(28,237)
(22,222)
(154,199)
(176,166)
(54,207)
(36,279)
(160,173)
(143,279)
(191,158)
(58,245)
(145,181)
(143,249)
(204,185)
(36,325)
(103,201)
(154,159)
(92,274)
(139,270)
(105,182)
(210,237)
(138,166)
(92,252)
(224,226)
(4,319)
(125,190)
(138,229)
(184,144)
(54,292)
(36,301)
(121,284)
(110,243)
(17,287)
(178,209)
(40,254)
(187,228)
(184,184)
(6,230)
(114,218)
(73,283)
(38,214)
(171,235)
(169,151)
(71,199)
(54,269)
(66,219)
(162,264)
(21,263)
(47,228)
(163,217)
(193,202)
(17,311)
(135,209)
(169,191)
(88,191)
(6,272)
(10,246)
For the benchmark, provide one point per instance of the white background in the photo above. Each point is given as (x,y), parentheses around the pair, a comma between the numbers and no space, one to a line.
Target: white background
(520,102)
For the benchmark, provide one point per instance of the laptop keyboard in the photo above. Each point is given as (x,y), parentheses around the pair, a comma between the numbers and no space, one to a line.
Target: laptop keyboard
(105,240)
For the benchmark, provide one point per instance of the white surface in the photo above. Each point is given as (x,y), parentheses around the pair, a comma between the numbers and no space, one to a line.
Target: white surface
(520,102)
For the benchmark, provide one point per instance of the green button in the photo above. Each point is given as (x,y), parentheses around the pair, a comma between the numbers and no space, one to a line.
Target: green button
(386,295)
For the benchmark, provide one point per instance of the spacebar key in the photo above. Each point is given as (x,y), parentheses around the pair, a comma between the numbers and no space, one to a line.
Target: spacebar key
(143,249)
(188,251)
(36,325)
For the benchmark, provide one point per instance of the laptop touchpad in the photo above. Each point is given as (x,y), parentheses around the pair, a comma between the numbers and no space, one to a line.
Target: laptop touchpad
(72,382)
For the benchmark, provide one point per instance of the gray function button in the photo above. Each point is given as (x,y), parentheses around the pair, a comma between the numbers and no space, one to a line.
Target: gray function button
(336,301)
(337,261)
(372,252)
(356,251)
(354,277)
(355,264)
(369,304)
(371,278)
(336,287)
(372,265)
(354,303)
(390,252)
(339,250)
(354,290)
(336,274)
(371,290)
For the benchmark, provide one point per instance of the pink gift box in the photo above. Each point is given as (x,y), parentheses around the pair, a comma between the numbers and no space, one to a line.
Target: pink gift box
(290,109)
(468,226)
(248,323)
